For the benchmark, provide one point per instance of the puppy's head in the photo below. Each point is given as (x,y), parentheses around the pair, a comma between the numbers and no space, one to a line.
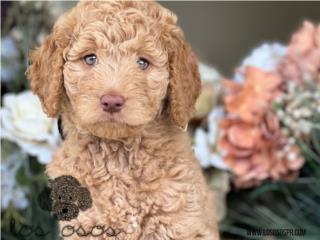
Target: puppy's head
(115,67)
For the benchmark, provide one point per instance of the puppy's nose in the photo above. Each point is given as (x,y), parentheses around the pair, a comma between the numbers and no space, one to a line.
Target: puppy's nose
(112,103)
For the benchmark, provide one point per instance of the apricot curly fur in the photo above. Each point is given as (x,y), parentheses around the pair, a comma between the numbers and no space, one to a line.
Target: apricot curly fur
(137,164)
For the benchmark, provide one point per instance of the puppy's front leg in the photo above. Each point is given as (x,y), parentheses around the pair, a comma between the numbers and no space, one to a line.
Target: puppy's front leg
(181,215)
(162,228)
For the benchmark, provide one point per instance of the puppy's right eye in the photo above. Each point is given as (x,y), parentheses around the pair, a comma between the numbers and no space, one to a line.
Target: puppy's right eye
(143,63)
(90,59)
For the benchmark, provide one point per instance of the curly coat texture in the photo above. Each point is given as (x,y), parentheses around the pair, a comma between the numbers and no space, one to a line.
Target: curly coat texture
(138,164)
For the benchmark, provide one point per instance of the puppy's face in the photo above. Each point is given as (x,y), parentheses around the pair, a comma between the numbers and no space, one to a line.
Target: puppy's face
(110,66)
(116,73)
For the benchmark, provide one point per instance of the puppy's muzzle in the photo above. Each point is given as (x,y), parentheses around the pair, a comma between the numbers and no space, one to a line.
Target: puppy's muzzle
(112,103)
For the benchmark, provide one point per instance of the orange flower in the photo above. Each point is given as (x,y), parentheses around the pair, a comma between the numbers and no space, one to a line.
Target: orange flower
(251,141)
(255,151)
(250,100)
(303,57)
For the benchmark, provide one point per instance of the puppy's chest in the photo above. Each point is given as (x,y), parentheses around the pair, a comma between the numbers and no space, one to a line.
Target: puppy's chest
(122,182)
(119,205)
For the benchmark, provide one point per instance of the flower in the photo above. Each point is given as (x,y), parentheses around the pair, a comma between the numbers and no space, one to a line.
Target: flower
(23,122)
(297,108)
(302,61)
(211,86)
(251,140)
(205,101)
(300,71)
(206,111)
(265,57)
(258,151)
(250,100)
(11,192)
(208,74)
(205,142)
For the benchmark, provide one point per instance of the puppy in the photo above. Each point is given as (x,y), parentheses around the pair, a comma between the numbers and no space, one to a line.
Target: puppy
(124,82)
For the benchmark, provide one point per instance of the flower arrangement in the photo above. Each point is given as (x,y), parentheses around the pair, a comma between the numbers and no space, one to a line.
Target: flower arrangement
(270,111)
(263,128)
(251,141)
(270,108)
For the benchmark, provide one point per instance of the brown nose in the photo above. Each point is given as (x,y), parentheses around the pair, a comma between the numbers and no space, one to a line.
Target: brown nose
(112,103)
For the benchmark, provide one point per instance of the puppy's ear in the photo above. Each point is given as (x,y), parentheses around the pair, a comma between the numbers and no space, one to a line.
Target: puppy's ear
(45,71)
(184,85)
(84,199)
(45,74)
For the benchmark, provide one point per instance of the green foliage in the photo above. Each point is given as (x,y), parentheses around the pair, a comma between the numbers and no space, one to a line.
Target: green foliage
(30,175)
(29,220)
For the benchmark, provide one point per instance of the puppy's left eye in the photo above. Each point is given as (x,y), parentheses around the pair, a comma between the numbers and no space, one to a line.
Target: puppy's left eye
(143,63)
(90,59)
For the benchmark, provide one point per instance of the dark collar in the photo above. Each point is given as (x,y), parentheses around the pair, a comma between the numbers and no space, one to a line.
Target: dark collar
(60,128)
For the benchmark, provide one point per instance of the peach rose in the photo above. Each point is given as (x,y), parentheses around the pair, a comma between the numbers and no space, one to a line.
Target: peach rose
(252,144)
(303,58)
(250,100)
(258,151)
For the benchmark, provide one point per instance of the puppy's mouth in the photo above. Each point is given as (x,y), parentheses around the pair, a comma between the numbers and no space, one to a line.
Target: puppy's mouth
(115,117)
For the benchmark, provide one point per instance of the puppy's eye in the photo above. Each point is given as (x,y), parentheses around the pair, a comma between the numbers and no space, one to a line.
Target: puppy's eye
(143,63)
(90,59)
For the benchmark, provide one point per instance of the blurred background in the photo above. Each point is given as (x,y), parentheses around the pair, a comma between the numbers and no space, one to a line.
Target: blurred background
(222,34)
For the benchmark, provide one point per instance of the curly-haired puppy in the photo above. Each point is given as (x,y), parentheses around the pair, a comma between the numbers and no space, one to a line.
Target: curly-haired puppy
(124,82)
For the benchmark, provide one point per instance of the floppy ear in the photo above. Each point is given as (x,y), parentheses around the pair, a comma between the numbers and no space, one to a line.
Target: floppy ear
(184,83)
(84,199)
(45,75)
(45,71)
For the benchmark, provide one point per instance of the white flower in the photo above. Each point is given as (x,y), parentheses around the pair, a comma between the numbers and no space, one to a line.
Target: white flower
(208,74)
(11,192)
(266,57)
(23,122)
(205,142)
(210,90)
